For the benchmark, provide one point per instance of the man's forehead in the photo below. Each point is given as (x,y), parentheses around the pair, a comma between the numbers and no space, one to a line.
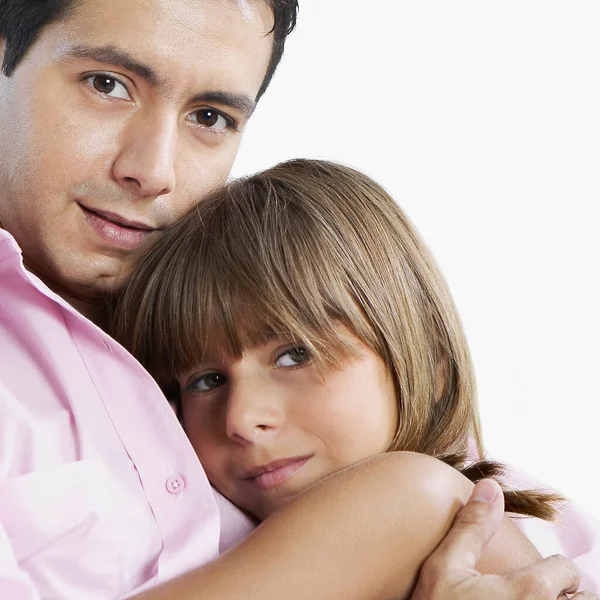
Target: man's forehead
(193,16)
(220,44)
(245,10)
(245,7)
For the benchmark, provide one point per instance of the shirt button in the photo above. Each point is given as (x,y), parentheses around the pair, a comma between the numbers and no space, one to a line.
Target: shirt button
(175,484)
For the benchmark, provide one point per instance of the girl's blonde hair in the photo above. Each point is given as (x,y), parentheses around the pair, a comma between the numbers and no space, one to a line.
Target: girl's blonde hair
(294,251)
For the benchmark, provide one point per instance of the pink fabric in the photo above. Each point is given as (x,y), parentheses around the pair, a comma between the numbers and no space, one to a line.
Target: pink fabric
(101,493)
(576,534)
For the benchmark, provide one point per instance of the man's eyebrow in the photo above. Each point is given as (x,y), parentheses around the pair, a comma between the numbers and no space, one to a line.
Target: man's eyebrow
(240,102)
(113,56)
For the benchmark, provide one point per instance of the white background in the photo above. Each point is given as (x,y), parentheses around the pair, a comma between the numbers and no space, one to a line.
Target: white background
(483,121)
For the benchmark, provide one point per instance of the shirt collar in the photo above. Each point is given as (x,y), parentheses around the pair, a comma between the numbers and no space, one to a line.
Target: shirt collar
(10,248)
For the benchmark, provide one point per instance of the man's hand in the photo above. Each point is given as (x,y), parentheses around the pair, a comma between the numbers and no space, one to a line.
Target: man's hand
(450,573)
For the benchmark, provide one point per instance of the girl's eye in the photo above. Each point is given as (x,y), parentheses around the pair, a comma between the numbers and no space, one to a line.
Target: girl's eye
(210,118)
(108,86)
(293,357)
(208,382)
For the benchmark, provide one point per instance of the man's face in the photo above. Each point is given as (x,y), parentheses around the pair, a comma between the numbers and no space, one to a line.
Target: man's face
(117,121)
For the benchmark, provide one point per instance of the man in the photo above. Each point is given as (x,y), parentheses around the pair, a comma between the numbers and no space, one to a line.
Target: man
(116,118)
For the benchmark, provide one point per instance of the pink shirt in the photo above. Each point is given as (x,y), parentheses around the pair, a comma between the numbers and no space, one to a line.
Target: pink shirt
(101,493)
(576,534)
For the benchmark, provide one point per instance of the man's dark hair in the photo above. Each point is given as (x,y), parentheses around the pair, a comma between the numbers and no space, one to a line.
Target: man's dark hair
(22,20)
(285,12)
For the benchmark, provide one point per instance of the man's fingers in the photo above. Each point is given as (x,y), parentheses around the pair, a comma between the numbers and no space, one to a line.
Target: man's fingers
(473,528)
(549,578)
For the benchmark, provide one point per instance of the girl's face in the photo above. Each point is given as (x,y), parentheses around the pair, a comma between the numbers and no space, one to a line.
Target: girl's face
(269,424)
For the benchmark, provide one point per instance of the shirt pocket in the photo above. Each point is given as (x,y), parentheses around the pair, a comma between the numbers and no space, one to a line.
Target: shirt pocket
(37,509)
(73,525)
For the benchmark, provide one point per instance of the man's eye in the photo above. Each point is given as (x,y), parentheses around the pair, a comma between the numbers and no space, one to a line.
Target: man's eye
(208,382)
(293,357)
(108,86)
(211,119)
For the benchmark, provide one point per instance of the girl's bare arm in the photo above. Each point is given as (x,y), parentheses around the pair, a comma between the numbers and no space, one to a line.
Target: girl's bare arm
(363,533)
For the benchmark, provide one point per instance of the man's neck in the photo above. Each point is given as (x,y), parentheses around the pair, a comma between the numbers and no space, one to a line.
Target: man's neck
(92,310)
(89,305)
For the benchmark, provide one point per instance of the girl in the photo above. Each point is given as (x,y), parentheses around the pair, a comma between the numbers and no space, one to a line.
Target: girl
(305,327)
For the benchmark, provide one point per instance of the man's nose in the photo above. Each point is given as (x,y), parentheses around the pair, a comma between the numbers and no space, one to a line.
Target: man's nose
(145,164)
(254,413)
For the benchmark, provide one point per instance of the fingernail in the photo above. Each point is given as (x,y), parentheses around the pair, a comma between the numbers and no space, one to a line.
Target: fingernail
(485,491)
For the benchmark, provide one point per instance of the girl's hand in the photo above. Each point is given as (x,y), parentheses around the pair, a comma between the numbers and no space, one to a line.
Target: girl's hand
(450,574)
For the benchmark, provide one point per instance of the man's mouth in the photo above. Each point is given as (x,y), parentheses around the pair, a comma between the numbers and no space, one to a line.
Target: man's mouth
(119,231)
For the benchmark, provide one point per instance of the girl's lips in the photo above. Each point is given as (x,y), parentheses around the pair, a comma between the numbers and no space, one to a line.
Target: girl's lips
(282,471)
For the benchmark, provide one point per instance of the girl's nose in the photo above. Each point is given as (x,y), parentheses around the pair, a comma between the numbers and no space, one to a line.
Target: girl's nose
(253,413)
